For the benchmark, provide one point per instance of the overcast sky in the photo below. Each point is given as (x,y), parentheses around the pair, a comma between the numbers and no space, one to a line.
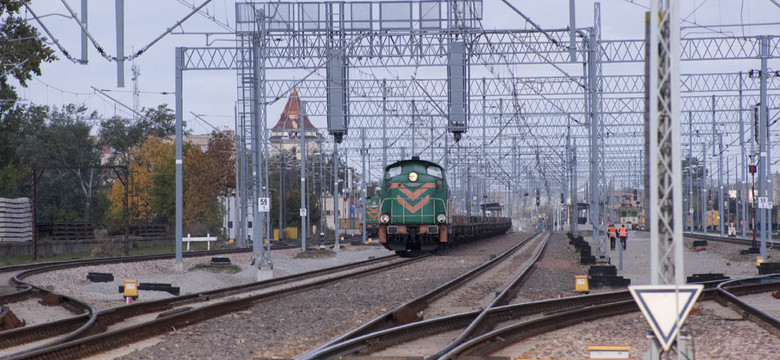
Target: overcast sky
(213,93)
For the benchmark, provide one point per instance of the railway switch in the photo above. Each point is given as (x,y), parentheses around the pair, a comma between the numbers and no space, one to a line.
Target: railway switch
(581,284)
(131,291)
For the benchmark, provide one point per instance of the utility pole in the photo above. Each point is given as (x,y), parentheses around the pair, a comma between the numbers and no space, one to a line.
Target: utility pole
(322,183)
(720,184)
(304,209)
(742,199)
(574,215)
(763,147)
(666,221)
(363,190)
(703,213)
(593,110)
(690,171)
(336,195)
(384,124)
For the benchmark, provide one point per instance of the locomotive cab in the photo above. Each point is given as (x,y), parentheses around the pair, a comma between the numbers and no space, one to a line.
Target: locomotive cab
(413,206)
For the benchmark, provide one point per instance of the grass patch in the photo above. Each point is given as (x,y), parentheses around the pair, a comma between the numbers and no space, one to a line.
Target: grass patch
(18,260)
(229,269)
(315,254)
(105,251)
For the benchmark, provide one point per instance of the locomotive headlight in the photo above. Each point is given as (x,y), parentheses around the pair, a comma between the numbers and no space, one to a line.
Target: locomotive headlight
(412,176)
(441,218)
(384,218)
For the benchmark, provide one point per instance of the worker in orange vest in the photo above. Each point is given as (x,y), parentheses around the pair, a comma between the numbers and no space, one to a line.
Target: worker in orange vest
(623,235)
(612,233)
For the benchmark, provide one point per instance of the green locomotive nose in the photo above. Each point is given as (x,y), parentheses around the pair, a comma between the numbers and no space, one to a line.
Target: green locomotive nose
(414,211)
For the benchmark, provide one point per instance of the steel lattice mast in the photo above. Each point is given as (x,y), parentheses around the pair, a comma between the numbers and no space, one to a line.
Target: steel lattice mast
(394,61)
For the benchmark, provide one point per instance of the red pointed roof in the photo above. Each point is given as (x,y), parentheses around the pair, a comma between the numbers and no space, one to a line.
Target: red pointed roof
(291,116)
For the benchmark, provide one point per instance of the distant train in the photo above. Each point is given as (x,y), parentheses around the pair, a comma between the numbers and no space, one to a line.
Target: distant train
(628,217)
(415,211)
(372,217)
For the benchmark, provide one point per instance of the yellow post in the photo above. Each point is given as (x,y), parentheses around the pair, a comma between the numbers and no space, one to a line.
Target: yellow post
(581,284)
(130,292)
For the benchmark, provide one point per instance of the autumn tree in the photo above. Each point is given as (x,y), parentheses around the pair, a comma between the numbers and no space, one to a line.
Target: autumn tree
(207,176)
(149,161)
(124,135)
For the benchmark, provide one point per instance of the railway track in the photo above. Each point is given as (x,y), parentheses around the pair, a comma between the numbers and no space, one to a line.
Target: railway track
(718,238)
(517,322)
(175,312)
(405,323)
(726,293)
(25,291)
(87,320)
(502,326)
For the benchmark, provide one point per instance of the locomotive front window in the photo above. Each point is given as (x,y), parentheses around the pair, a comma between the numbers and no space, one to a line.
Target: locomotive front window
(434,171)
(393,171)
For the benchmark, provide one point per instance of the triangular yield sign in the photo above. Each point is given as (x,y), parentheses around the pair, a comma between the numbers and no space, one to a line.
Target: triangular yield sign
(665,307)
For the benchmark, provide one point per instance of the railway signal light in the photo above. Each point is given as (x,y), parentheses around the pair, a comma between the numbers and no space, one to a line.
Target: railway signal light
(635,195)
(537,197)
(563,201)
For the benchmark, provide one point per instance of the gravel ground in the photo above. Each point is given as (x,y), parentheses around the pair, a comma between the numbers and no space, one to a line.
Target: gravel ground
(553,275)
(480,291)
(33,313)
(719,333)
(105,295)
(289,326)
(718,258)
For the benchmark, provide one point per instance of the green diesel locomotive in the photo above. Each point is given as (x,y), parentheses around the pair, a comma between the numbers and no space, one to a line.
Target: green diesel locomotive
(415,211)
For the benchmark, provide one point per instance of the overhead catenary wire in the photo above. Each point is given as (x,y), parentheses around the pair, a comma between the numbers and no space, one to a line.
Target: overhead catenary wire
(97,45)
(213,18)
(119,103)
(50,34)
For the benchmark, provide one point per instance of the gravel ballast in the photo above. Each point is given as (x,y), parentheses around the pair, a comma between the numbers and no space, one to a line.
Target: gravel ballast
(291,325)
(104,295)
(719,333)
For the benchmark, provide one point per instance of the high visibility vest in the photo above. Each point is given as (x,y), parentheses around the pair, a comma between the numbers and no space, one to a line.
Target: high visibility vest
(612,230)
(623,232)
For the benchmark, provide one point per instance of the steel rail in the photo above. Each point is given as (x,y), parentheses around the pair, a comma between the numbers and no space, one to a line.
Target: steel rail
(373,342)
(734,240)
(405,313)
(376,341)
(108,317)
(92,343)
(727,296)
(23,292)
(719,291)
(120,259)
(481,324)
